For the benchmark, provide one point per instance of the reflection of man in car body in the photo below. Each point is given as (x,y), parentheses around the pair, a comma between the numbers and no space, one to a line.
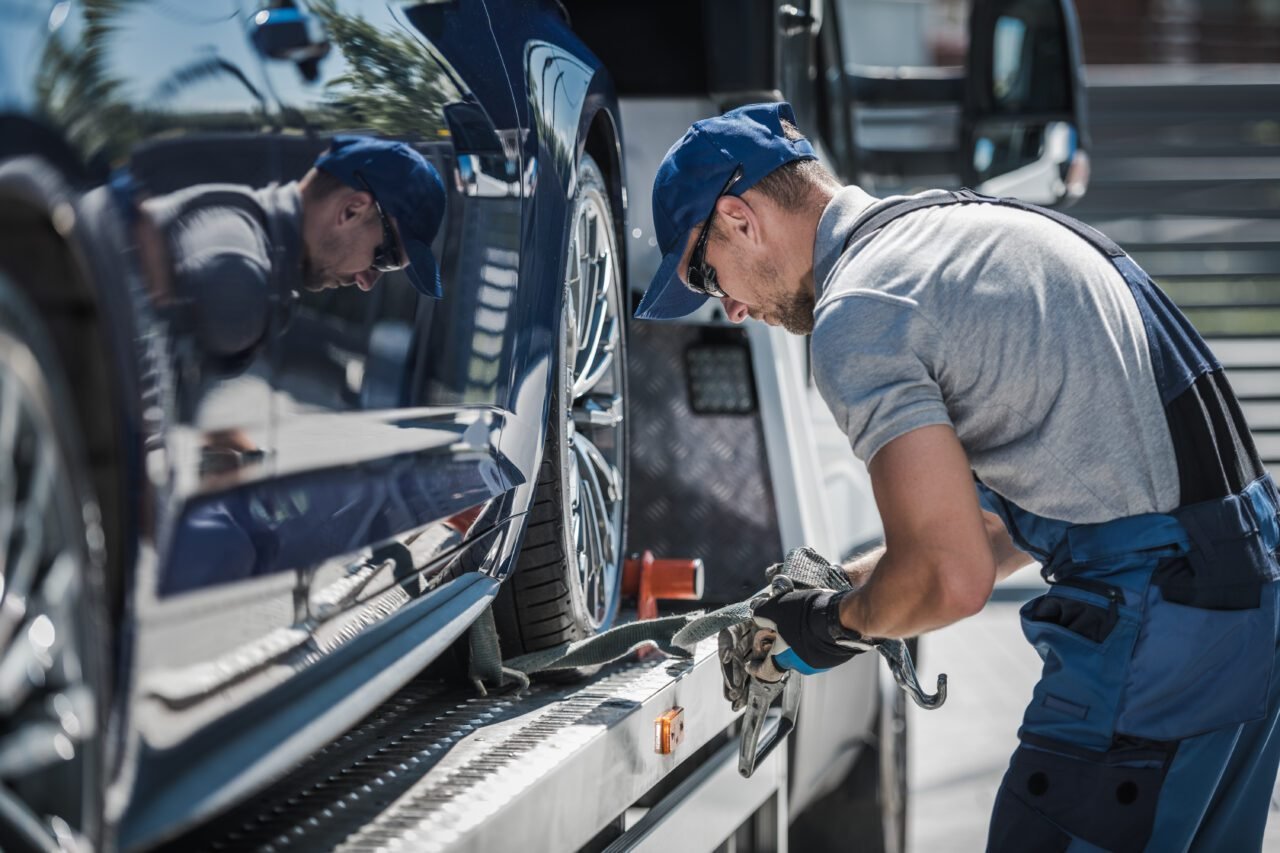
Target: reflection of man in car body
(214,255)
(217,257)
(1021,391)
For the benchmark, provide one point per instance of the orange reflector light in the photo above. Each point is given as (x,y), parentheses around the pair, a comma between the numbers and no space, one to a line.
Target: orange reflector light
(668,731)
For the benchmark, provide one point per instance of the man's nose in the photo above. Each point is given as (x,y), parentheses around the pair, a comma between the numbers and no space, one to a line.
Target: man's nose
(736,311)
(367,279)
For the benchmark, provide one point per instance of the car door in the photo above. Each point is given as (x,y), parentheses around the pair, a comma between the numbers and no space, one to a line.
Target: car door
(390,404)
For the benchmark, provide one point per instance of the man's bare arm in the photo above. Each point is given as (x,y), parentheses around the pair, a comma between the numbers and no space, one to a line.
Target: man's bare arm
(1008,558)
(859,569)
(938,564)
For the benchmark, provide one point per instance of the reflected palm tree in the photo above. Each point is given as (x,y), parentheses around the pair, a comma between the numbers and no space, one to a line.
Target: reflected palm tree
(391,83)
(75,92)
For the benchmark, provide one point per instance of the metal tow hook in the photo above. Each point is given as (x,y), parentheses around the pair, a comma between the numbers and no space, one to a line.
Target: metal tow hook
(753,679)
(904,672)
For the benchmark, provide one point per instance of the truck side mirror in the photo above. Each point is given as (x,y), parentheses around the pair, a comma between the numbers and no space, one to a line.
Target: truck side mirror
(1025,131)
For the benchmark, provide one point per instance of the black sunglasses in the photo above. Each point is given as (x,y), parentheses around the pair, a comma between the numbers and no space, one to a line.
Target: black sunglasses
(386,258)
(702,277)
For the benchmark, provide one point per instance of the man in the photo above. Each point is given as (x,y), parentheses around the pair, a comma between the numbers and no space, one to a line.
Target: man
(216,255)
(957,338)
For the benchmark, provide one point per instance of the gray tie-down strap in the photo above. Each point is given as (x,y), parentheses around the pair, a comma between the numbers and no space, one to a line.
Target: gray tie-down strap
(674,635)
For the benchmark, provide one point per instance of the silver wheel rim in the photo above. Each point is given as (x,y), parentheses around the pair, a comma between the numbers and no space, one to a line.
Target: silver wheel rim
(593,388)
(47,703)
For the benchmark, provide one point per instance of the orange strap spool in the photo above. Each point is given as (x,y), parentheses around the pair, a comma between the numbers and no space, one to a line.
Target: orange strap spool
(648,579)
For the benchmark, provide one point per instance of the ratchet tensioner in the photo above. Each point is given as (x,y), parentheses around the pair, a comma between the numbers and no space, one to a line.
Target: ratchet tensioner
(754,677)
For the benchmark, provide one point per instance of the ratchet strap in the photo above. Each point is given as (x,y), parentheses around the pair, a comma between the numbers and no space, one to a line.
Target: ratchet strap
(676,636)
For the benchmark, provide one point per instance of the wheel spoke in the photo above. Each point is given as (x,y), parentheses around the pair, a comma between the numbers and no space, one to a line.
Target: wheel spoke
(586,543)
(594,545)
(54,596)
(21,574)
(26,662)
(592,246)
(598,411)
(21,827)
(612,476)
(8,479)
(59,594)
(593,333)
(74,708)
(571,317)
(582,265)
(602,357)
(594,465)
(33,748)
(595,298)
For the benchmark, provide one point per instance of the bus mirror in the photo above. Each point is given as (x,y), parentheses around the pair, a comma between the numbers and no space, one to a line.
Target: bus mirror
(1025,128)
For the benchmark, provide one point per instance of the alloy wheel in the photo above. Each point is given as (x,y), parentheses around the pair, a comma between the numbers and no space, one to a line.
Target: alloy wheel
(593,393)
(48,710)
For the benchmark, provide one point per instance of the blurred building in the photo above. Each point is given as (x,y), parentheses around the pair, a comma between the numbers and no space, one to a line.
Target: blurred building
(1180,31)
(1115,32)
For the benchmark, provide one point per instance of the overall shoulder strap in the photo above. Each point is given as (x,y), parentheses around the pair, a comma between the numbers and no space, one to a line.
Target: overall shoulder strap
(1088,233)
(874,223)
(168,210)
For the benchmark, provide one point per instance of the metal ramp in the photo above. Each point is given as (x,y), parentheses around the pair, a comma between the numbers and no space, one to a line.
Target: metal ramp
(556,769)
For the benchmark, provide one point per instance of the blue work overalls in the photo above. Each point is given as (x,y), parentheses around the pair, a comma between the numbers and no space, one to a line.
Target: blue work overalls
(1153,725)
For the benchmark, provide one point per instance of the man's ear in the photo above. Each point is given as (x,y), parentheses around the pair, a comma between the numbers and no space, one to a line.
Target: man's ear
(354,207)
(738,218)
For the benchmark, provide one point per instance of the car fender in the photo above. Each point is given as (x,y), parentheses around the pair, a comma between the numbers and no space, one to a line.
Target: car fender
(571,109)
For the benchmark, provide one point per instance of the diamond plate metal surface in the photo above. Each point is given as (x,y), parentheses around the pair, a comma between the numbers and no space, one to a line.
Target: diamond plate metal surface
(700,484)
(430,766)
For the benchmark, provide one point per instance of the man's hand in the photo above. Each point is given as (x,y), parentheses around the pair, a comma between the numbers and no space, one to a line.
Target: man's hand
(808,621)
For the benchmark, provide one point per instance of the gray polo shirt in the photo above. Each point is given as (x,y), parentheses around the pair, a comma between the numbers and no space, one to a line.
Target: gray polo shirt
(233,248)
(1008,327)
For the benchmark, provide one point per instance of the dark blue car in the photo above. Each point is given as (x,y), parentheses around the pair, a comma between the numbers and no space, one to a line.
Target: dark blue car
(241,505)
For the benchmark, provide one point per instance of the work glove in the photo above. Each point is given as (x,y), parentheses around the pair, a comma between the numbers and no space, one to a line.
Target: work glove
(808,620)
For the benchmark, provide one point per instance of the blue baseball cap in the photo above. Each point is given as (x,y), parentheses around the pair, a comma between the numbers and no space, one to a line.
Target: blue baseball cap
(692,174)
(407,187)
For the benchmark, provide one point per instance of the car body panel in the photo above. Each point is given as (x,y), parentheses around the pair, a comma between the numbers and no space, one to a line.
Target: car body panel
(242,754)
(309,525)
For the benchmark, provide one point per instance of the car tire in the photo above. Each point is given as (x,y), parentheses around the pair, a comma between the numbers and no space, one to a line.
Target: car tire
(54,642)
(567,581)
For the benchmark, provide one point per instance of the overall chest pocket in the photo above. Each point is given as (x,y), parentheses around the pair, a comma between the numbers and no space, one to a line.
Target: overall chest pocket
(1085,638)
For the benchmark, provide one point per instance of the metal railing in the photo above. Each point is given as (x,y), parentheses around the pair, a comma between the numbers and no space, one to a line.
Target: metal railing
(1187,179)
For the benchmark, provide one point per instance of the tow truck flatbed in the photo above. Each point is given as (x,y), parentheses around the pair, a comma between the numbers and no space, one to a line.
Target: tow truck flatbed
(557,768)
